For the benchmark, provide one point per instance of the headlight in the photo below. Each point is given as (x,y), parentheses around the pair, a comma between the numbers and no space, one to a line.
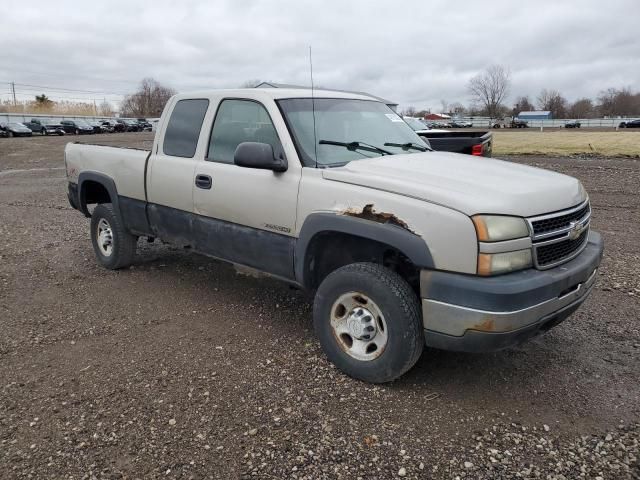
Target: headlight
(494,228)
(496,263)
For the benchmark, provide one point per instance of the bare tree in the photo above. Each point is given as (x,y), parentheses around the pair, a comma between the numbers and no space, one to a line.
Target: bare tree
(490,89)
(581,108)
(148,101)
(457,108)
(553,101)
(622,102)
(409,112)
(523,105)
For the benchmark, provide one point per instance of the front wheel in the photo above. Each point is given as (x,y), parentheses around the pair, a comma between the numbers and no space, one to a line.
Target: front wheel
(368,321)
(113,245)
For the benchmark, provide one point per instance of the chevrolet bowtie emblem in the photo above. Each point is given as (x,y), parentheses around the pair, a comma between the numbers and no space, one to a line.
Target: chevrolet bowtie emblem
(575,230)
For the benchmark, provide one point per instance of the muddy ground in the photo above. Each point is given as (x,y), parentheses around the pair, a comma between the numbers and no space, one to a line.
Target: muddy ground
(180,367)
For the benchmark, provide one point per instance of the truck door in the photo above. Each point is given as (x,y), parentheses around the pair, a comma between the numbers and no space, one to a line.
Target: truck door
(171,170)
(246,215)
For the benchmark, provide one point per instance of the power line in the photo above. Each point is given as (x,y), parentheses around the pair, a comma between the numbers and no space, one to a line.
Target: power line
(84,99)
(28,86)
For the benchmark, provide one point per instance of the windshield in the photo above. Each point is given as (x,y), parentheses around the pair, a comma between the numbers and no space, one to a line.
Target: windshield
(415,123)
(16,124)
(345,121)
(81,123)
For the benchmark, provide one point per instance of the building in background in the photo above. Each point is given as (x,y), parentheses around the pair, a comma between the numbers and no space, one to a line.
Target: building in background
(535,115)
(437,116)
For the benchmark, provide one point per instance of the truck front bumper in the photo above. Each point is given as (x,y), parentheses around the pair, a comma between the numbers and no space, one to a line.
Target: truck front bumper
(479,314)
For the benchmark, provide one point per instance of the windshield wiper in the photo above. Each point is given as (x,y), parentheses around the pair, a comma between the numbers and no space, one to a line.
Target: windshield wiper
(409,145)
(353,146)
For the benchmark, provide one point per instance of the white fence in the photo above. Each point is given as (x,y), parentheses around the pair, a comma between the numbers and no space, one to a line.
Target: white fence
(483,122)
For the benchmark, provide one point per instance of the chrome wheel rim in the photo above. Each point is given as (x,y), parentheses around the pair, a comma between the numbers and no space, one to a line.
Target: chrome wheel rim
(105,238)
(359,326)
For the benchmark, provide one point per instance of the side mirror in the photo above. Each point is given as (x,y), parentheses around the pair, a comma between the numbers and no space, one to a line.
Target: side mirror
(258,155)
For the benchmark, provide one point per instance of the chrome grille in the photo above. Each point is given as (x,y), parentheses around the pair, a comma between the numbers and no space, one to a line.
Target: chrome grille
(559,237)
(551,224)
(551,253)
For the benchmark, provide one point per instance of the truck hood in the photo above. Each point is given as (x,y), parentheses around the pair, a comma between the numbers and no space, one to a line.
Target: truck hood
(465,183)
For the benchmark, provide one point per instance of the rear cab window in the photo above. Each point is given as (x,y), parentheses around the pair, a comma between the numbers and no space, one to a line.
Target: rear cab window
(183,129)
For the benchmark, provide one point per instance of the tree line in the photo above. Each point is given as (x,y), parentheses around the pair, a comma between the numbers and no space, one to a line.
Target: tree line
(489,89)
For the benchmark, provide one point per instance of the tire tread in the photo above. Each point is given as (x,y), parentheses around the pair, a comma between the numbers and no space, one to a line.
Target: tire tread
(126,242)
(408,302)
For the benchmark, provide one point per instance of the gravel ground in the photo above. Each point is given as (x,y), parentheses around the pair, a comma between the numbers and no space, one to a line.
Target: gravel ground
(182,367)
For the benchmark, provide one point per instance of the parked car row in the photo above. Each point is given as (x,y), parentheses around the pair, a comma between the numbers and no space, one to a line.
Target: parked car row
(45,126)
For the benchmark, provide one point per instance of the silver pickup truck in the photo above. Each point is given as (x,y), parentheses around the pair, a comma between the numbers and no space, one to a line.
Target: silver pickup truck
(336,194)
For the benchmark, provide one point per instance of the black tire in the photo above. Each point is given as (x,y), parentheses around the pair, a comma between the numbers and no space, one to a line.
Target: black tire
(398,304)
(123,243)
(44,131)
(11,134)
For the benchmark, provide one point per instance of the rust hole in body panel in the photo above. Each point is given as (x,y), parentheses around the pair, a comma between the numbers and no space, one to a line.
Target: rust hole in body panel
(368,213)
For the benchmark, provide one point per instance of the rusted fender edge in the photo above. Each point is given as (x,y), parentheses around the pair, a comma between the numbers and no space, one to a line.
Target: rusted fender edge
(369,213)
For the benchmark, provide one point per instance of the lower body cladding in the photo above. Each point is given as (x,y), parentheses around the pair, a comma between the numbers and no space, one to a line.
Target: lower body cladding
(480,314)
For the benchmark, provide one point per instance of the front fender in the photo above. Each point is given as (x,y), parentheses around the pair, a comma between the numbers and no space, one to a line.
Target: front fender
(410,244)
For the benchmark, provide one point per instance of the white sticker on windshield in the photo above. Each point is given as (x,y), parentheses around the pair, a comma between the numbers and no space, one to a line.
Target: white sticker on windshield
(393,117)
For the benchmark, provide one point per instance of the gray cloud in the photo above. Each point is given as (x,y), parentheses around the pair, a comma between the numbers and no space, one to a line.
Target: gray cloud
(414,52)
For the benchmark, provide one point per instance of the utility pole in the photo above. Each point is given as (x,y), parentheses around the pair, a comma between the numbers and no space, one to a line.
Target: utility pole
(13,90)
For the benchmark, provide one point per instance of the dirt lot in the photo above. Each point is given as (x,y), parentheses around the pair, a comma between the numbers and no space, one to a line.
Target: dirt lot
(182,368)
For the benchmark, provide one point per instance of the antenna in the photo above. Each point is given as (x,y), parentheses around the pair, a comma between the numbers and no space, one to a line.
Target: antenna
(313,109)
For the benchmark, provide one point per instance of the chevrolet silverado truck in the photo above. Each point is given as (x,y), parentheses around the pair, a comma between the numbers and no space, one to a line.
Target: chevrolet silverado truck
(334,193)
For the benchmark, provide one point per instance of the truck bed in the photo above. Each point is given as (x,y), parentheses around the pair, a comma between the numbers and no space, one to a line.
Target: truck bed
(126,166)
(460,141)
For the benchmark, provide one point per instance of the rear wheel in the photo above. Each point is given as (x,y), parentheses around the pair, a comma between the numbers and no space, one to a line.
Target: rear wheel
(368,321)
(44,131)
(113,245)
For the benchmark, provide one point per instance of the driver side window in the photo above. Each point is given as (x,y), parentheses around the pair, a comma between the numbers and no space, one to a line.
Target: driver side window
(239,121)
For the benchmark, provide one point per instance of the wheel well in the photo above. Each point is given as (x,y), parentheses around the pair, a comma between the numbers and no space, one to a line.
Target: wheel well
(329,251)
(94,192)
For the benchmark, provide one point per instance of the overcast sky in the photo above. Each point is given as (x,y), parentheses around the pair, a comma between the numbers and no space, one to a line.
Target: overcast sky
(413,52)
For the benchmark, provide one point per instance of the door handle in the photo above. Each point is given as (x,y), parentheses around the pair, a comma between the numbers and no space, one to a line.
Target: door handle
(203,181)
